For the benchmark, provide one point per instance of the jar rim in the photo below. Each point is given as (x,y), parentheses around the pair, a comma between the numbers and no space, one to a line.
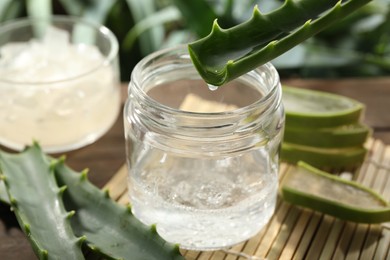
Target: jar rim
(135,85)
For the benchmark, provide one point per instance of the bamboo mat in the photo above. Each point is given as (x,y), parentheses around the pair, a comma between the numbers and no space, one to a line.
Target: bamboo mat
(296,233)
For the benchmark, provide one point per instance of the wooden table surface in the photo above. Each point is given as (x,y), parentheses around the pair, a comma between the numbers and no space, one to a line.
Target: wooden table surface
(107,155)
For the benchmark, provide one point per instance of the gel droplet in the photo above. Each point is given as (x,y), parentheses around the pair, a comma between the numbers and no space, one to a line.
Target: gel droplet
(212,87)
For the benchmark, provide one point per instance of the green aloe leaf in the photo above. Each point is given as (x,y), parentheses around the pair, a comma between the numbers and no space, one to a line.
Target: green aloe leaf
(331,137)
(98,11)
(314,109)
(73,7)
(36,200)
(10,9)
(168,14)
(4,5)
(110,228)
(152,39)
(92,10)
(335,158)
(39,8)
(309,187)
(95,11)
(226,54)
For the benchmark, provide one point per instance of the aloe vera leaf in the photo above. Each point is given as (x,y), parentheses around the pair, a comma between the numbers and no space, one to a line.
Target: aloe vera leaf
(3,6)
(323,157)
(39,8)
(37,202)
(168,14)
(317,109)
(10,9)
(151,39)
(307,186)
(226,54)
(110,228)
(334,137)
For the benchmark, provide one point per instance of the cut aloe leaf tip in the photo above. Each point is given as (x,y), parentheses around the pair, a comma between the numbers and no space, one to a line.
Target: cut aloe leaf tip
(226,54)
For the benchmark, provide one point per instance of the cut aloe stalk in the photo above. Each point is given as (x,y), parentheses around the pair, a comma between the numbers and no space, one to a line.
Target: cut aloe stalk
(226,54)
(317,109)
(335,137)
(323,157)
(311,188)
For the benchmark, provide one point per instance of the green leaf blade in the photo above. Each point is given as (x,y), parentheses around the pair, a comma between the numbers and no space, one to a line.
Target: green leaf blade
(10,9)
(110,229)
(36,200)
(227,54)
(309,187)
(151,39)
(168,14)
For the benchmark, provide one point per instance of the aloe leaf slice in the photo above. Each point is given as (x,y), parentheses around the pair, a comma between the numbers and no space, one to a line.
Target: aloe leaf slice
(37,203)
(110,228)
(226,54)
(312,188)
(334,137)
(323,157)
(317,109)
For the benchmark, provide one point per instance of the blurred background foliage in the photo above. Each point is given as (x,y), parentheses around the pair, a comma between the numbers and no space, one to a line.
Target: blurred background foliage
(359,46)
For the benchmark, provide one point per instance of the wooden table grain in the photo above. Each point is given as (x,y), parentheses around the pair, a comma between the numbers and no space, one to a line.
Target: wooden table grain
(104,157)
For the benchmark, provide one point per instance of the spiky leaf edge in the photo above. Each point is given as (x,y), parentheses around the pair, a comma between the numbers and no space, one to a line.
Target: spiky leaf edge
(217,75)
(34,152)
(83,195)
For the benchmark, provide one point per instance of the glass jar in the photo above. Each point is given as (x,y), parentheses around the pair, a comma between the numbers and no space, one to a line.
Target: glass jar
(208,180)
(59,82)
